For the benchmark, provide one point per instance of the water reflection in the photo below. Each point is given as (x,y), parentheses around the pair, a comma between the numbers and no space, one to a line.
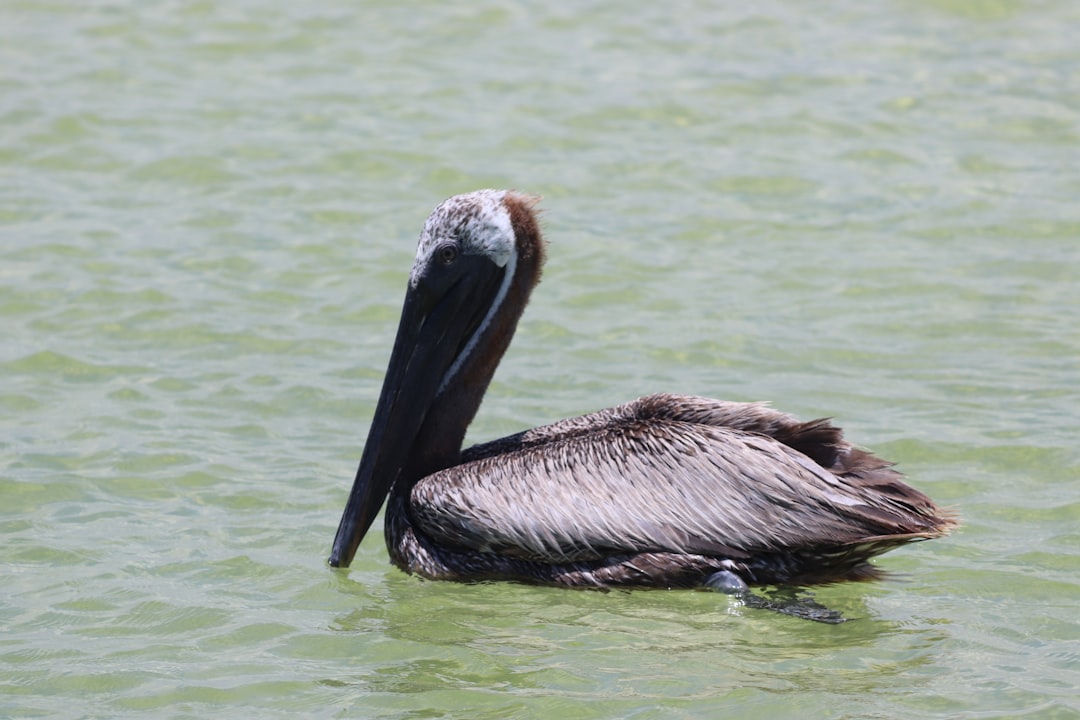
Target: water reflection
(417,636)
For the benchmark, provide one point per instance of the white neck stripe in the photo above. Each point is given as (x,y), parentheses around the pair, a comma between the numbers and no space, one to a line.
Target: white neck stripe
(500,297)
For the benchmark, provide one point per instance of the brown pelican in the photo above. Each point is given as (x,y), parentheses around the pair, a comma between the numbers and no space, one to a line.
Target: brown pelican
(664,491)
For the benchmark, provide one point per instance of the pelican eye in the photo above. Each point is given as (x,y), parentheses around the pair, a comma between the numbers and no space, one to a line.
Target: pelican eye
(446,254)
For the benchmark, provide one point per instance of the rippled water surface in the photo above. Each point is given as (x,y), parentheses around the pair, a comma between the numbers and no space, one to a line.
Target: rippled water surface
(207,212)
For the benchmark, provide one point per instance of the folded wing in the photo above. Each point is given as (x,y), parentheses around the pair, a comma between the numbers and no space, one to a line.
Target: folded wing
(676,474)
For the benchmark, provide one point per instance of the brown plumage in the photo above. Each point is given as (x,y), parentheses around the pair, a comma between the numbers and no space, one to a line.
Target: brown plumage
(664,491)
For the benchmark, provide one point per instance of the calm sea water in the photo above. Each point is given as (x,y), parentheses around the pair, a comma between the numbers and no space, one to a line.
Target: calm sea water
(207,215)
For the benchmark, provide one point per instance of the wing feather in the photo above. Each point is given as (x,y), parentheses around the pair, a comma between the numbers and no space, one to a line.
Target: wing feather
(670,474)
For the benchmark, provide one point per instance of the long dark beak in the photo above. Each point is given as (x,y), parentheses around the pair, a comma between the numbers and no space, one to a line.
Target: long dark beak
(439,316)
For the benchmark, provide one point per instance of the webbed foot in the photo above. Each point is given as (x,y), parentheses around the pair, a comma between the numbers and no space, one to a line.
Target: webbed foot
(786,601)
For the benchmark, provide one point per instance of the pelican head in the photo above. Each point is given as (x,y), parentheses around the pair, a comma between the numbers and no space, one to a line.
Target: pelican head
(477,260)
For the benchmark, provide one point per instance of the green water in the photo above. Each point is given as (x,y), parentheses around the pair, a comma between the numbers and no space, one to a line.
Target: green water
(207,214)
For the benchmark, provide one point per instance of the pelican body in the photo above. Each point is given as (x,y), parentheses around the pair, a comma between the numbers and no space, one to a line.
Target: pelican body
(664,491)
